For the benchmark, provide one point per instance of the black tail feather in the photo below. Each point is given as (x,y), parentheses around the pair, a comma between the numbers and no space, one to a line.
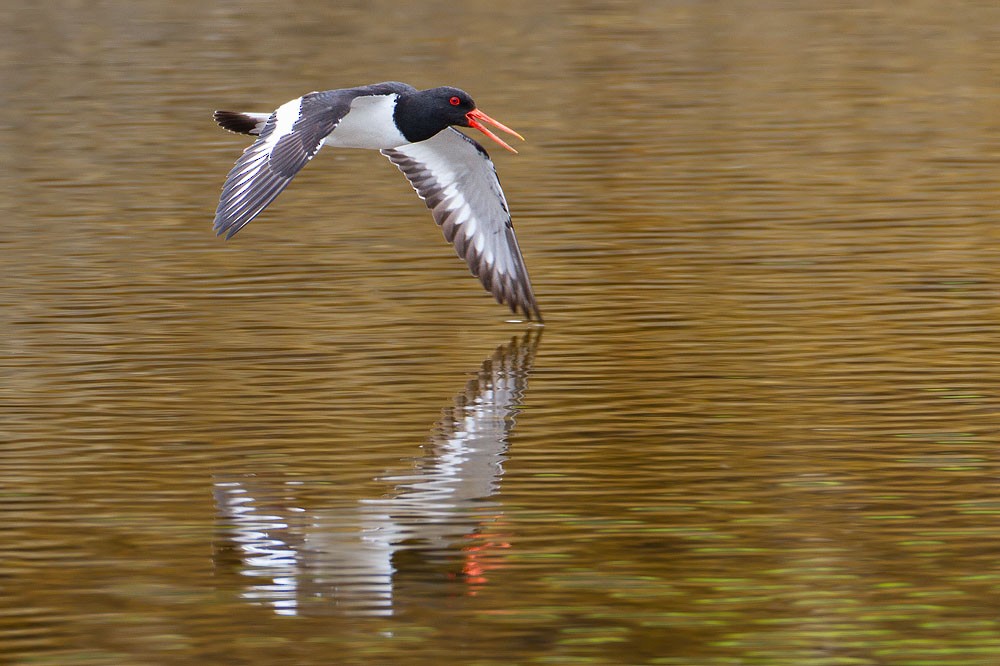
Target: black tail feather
(240,123)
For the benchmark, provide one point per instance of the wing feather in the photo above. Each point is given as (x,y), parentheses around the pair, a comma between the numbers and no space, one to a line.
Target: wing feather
(457,180)
(290,138)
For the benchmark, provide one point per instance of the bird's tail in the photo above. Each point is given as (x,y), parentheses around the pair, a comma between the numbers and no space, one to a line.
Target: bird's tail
(241,123)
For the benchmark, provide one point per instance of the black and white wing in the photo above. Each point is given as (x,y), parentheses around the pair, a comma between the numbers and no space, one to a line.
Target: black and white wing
(457,180)
(289,139)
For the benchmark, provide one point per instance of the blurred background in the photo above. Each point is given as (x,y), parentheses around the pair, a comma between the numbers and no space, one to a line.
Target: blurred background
(760,425)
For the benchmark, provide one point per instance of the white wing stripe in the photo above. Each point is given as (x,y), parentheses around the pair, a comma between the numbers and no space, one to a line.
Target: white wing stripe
(284,120)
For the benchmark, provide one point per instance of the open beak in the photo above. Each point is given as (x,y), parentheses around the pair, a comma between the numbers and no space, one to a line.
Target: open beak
(476,115)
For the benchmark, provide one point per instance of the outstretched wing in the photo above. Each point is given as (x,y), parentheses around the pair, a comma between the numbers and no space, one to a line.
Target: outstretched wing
(290,138)
(457,180)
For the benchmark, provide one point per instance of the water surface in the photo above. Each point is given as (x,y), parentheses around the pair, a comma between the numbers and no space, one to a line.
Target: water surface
(759,427)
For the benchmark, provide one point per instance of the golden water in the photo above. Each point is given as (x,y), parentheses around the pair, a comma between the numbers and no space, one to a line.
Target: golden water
(759,427)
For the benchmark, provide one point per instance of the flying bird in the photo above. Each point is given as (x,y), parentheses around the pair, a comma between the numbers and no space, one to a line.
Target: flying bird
(415,129)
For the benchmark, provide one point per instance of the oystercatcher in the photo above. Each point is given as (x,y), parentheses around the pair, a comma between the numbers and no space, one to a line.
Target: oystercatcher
(413,128)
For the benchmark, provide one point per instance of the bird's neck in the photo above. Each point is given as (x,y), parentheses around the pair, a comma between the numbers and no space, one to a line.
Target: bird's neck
(414,120)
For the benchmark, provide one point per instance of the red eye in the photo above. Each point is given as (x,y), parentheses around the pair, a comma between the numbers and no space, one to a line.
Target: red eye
(454,101)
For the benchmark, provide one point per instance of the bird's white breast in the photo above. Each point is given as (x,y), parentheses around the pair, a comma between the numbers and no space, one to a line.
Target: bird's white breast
(369,124)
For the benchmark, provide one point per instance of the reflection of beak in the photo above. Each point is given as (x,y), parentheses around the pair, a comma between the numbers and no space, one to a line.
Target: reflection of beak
(476,115)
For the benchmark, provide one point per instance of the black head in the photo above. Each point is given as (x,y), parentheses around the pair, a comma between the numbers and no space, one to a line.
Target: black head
(422,114)
(451,103)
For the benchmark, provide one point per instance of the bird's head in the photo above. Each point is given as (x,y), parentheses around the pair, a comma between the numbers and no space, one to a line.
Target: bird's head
(456,107)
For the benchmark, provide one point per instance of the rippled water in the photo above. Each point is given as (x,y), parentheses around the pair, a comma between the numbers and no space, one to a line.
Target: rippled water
(759,426)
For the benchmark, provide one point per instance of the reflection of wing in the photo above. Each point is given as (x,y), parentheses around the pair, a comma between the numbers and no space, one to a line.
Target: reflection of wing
(456,179)
(469,441)
(345,553)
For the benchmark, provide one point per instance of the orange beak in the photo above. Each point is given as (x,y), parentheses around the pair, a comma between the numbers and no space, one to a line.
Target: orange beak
(476,115)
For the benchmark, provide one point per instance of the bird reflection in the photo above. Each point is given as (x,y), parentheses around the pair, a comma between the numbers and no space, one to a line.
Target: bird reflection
(435,534)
